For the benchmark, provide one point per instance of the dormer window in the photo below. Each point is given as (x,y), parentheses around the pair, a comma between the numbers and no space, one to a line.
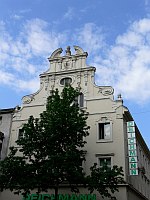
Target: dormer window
(66,81)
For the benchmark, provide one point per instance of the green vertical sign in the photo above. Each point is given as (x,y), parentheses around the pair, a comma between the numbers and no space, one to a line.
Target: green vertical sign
(132,152)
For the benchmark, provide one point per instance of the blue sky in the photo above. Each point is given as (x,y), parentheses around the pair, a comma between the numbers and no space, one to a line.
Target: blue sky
(115,33)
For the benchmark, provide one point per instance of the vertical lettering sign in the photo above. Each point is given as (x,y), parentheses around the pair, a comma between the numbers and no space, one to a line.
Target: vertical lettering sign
(133,165)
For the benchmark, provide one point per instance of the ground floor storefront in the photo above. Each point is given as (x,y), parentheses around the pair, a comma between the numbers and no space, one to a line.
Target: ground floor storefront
(125,193)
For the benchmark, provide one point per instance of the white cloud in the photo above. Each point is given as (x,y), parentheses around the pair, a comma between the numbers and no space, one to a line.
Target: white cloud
(136,84)
(33,84)
(142,26)
(132,39)
(126,65)
(90,37)
(69,14)
(16,17)
(5,77)
(40,39)
(147,5)
(25,11)
(23,58)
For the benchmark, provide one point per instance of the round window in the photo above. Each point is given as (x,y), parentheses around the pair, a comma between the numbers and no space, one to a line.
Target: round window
(66,81)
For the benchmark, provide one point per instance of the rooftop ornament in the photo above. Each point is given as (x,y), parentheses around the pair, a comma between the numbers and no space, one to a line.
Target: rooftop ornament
(68,52)
(119,97)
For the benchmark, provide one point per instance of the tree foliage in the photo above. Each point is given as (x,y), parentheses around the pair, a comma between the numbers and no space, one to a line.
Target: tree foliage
(51,152)
(105,180)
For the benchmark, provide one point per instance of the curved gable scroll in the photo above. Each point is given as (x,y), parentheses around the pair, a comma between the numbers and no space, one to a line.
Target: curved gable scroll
(78,50)
(56,53)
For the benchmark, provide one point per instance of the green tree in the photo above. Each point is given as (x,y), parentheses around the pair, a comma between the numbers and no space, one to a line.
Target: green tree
(105,180)
(52,151)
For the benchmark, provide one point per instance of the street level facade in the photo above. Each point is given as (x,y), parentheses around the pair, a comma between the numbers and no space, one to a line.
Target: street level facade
(114,136)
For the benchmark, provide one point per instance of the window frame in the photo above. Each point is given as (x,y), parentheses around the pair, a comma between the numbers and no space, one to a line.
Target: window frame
(63,79)
(98,132)
(1,119)
(1,143)
(105,157)
(19,133)
(80,100)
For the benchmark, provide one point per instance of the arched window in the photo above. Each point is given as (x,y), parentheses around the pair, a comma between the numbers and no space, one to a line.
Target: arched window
(66,81)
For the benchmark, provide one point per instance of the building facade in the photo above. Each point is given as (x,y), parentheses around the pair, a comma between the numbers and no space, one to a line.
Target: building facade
(114,137)
(5,129)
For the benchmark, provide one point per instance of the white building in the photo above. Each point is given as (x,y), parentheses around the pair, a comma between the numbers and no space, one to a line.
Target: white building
(111,138)
(5,129)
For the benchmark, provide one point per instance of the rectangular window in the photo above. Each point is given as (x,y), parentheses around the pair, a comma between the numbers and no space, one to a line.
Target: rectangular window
(20,134)
(1,141)
(104,131)
(0,149)
(105,161)
(0,120)
(80,100)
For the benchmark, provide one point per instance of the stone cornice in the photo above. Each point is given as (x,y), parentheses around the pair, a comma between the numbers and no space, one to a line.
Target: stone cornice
(71,71)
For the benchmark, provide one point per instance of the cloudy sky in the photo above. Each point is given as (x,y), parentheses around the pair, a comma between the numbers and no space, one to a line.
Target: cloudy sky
(115,33)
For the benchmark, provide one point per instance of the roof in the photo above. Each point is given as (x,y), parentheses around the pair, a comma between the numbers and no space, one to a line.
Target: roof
(7,110)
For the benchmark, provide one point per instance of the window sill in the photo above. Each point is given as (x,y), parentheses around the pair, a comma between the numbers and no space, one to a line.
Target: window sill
(104,141)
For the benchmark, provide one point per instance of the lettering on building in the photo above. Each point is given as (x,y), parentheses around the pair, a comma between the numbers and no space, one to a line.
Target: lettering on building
(60,197)
(133,164)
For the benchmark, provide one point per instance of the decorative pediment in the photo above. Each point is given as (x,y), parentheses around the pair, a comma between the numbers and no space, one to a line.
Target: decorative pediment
(68,61)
